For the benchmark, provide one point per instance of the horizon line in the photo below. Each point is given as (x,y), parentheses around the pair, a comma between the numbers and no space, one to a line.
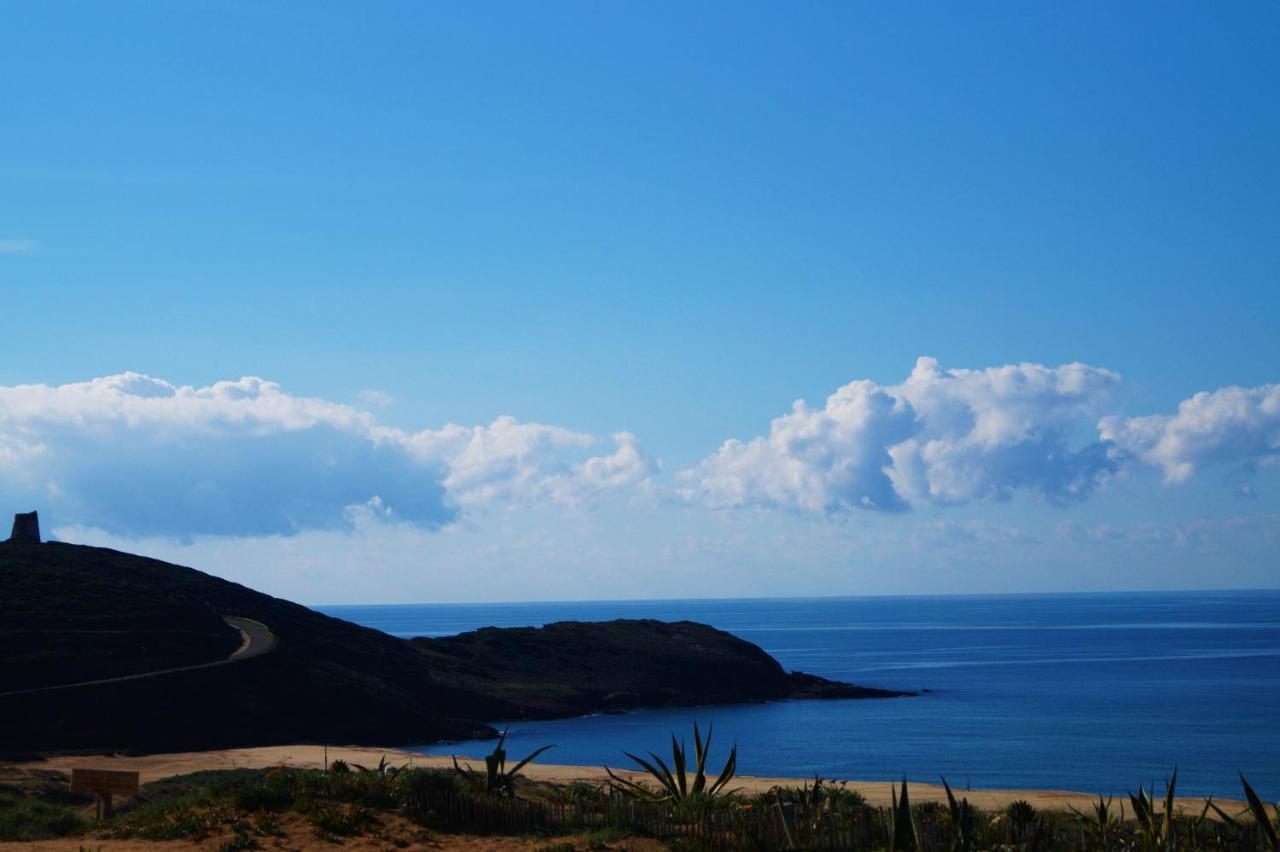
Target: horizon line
(926,596)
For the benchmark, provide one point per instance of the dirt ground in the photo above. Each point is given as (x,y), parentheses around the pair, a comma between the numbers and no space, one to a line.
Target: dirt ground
(396,834)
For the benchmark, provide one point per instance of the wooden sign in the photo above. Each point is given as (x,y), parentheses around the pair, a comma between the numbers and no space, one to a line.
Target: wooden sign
(104,782)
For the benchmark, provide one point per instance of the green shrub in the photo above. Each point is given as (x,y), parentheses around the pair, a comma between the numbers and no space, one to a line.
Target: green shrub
(602,838)
(30,819)
(698,804)
(267,795)
(1021,812)
(411,784)
(832,794)
(333,820)
(575,793)
(204,786)
(164,822)
(268,825)
(241,839)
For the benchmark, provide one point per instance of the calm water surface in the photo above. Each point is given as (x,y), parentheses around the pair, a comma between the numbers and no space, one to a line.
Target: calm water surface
(1084,692)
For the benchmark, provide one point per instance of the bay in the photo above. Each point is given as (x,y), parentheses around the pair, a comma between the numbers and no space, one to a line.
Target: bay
(1089,692)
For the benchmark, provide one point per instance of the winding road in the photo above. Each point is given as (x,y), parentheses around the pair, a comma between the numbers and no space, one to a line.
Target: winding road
(256,640)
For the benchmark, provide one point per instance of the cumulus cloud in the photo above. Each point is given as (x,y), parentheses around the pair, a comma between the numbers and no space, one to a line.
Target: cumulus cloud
(1233,426)
(136,455)
(941,436)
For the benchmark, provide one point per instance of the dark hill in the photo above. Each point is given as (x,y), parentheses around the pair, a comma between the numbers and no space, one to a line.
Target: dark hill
(573,667)
(70,613)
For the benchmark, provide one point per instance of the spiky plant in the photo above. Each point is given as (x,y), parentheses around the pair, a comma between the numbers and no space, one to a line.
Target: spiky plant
(1021,812)
(1154,829)
(498,779)
(962,820)
(1265,822)
(1103,822)
(905,836)
(674,783)
(382,770)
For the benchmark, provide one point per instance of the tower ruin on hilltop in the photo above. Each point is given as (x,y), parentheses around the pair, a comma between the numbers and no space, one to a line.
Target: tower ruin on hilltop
(26,527)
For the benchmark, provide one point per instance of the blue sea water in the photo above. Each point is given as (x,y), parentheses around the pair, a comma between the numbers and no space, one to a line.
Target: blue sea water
(1090,692)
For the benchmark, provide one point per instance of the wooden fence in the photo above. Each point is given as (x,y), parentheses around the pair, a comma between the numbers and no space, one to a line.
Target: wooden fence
(764,827)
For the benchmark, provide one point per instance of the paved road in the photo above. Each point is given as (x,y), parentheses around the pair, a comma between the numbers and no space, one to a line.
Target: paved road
(256,640)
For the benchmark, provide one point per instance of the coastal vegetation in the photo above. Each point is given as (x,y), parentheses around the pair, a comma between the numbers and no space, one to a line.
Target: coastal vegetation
(673,783)
(498,780)
(406,805)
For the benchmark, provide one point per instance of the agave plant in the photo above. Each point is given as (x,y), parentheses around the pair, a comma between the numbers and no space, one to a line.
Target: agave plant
(498,779)
(1265,822)
(383,769)
(673,781)
(1103,822)
(1155,830)
(962,820)
(905,836)
(824,795)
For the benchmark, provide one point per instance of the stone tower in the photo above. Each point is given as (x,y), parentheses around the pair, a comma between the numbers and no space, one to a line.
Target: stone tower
(26,527)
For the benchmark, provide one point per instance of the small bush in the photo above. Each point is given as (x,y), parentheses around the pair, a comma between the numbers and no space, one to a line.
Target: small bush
(268,825)
(413,783)
(835,794)
(242,839)
(30,819)
(203,786)
(704,803)
(1021,812)
(164,822)
(330,820)
(268,795)
(575,792)
(601,838)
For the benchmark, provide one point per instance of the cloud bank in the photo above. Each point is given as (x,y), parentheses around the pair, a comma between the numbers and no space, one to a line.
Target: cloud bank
(941,436)
(136,455)
(1234,426)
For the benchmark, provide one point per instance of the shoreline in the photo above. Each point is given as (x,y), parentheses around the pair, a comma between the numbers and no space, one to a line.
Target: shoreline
(154,767)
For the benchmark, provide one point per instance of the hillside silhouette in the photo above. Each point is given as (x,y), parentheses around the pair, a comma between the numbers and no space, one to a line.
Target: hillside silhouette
(71,614)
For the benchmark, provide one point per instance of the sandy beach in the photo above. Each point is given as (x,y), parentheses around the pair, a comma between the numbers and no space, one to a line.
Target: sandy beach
(157,766)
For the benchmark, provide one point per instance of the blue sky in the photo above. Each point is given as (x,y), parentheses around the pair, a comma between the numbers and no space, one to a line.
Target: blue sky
(665,220)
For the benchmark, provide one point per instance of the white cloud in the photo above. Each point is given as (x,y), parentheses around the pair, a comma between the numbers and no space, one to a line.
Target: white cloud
(1233,426)
(627,465)
(136,455)
(509,460)
(942,436)
(374,398)
(11,246)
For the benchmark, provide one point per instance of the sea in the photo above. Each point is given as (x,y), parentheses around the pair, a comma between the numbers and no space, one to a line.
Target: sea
(1098,693)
